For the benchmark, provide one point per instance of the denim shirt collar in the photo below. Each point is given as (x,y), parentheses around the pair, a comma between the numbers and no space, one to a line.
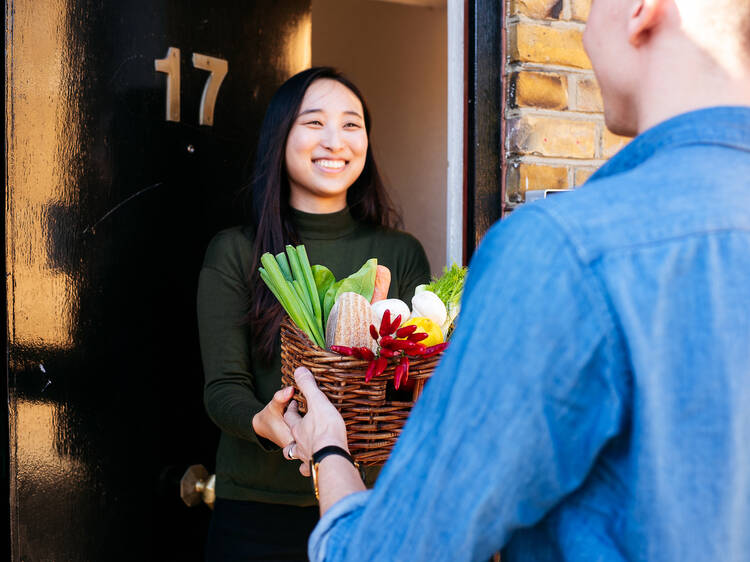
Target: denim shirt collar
(725,126)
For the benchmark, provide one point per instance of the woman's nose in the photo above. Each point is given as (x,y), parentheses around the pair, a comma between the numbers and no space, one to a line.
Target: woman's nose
(332,139)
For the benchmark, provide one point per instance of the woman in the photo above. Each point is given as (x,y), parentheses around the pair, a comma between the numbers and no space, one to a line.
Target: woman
(315,182)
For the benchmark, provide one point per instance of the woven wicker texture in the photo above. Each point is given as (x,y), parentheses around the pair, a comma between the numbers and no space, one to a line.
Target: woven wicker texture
(373,418)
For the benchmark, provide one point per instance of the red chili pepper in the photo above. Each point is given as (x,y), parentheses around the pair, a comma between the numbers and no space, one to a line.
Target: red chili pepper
(387,342)
(405,364)
(418,349)
(410,346)
(394,325)
(399,345)
(371,370)
(342,350)
(385,352)
(406,331)
(363,353)
(380,364)
(385,323)
(434,350)
(397,374)
(374,332)
(418,336)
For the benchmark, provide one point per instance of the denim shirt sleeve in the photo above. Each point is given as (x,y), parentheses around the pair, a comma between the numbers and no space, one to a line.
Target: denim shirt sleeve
(530,390)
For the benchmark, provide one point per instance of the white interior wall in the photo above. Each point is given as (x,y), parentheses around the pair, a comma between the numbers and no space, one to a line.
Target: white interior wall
(397,56)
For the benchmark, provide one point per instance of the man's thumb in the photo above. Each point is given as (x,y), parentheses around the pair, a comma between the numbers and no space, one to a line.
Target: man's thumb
(306,383)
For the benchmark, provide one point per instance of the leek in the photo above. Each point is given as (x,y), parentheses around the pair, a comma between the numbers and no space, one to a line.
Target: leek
(287,277)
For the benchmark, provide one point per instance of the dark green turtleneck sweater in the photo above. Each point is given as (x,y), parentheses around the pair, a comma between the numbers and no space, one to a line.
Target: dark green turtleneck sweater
(238,383)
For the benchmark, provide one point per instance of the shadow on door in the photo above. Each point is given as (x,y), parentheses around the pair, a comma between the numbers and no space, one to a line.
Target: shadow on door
(111,200)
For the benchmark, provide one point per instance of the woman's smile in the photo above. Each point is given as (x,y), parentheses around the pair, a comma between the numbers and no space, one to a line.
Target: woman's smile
(330,166)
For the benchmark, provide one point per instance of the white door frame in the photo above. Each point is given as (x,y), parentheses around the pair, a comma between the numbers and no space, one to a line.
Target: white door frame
(454,240)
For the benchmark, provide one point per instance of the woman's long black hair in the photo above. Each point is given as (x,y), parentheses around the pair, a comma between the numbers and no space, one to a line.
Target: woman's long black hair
(268,197)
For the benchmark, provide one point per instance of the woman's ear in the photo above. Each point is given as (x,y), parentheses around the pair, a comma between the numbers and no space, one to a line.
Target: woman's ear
(645,15)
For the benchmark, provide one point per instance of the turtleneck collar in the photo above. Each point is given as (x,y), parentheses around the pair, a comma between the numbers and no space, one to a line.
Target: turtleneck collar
(328,226)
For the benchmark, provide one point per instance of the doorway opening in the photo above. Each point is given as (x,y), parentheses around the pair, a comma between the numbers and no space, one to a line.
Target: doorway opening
(396,51)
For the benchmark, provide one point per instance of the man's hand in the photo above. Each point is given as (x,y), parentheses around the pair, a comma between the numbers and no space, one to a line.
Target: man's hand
(269,422)
(321,426)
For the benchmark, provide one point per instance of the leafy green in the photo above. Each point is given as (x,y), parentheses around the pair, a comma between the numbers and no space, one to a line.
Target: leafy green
(449,287)
(361,282)
(330,299)
(323,280)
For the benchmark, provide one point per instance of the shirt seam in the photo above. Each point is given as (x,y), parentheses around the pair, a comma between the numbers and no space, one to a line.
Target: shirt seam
(614,334)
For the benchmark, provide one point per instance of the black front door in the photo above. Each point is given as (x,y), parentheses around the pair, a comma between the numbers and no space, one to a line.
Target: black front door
(123,159)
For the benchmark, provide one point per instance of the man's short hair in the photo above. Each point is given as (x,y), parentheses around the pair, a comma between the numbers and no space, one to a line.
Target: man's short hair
(717,22)
(735,14)
(745,26)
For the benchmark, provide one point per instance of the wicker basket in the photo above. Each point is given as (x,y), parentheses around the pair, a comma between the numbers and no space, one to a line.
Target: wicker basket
(373,419)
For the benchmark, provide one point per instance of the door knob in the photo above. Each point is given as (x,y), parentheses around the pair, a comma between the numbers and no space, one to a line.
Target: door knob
(197,485)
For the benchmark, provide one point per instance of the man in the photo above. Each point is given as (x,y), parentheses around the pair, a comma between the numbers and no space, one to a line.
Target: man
(594,403)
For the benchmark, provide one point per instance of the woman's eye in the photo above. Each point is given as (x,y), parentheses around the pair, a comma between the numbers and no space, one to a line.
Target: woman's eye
(352,126)
(314,122)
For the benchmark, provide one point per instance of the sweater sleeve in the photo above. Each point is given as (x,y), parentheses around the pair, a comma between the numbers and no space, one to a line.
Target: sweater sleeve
(229,391)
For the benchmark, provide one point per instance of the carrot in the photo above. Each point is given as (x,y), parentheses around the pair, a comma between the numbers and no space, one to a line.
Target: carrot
(382,283)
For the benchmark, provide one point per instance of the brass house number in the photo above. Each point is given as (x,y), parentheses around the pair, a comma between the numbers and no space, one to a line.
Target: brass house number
(217,69)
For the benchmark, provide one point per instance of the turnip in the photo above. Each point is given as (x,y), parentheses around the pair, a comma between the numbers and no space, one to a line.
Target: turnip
(396,307)
(427,304)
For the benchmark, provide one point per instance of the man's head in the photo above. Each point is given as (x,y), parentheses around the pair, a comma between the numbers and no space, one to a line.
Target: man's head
(656,58)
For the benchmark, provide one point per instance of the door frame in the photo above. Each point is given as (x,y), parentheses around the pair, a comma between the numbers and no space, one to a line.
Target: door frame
(475,178)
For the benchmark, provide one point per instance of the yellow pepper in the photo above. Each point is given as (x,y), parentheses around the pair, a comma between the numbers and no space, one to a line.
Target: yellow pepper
(429,327)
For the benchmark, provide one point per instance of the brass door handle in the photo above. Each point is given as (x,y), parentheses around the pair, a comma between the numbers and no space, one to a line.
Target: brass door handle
(197,485)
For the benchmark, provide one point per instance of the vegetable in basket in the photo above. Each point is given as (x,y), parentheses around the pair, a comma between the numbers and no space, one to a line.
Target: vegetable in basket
(308,293)
(290,278)
(362,282)
(449,288)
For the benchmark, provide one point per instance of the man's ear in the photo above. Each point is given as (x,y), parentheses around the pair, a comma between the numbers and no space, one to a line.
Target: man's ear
(645,15)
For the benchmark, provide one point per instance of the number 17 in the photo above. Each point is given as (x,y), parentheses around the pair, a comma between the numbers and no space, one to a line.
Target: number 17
(170,65)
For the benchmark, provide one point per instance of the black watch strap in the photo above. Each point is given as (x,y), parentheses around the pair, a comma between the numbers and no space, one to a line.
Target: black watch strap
(320,454)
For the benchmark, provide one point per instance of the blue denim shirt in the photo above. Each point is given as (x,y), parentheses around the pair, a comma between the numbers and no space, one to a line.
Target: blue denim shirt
(594,403)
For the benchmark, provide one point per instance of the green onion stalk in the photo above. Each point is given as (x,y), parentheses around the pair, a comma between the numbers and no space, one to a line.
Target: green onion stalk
(289,277)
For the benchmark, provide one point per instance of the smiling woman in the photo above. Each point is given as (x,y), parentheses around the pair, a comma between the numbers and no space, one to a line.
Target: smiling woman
(326,148)
(315,182)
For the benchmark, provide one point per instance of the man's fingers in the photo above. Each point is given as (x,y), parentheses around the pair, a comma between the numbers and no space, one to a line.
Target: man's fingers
(280,399)
(307,385)
(284,395)
(291,416)
(289,450)
(304,469)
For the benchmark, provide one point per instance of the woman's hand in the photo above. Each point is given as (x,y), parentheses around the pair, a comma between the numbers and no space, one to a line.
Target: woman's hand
(321,426)
(269,422)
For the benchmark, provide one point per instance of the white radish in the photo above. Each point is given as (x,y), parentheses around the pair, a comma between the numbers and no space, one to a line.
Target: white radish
(427,304)
(396,307)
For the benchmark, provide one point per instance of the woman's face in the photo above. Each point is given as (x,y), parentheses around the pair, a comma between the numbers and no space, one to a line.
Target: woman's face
(326,147)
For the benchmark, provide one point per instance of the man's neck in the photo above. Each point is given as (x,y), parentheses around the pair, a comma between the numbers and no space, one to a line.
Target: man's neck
(674,84)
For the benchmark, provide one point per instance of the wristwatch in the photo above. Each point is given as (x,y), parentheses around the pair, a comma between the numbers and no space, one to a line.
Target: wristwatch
(320,454)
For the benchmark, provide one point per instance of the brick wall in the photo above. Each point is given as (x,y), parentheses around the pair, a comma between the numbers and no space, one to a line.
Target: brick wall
(555,132)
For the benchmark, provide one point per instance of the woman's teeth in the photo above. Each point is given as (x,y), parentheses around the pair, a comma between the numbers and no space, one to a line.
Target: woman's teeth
(331,164)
